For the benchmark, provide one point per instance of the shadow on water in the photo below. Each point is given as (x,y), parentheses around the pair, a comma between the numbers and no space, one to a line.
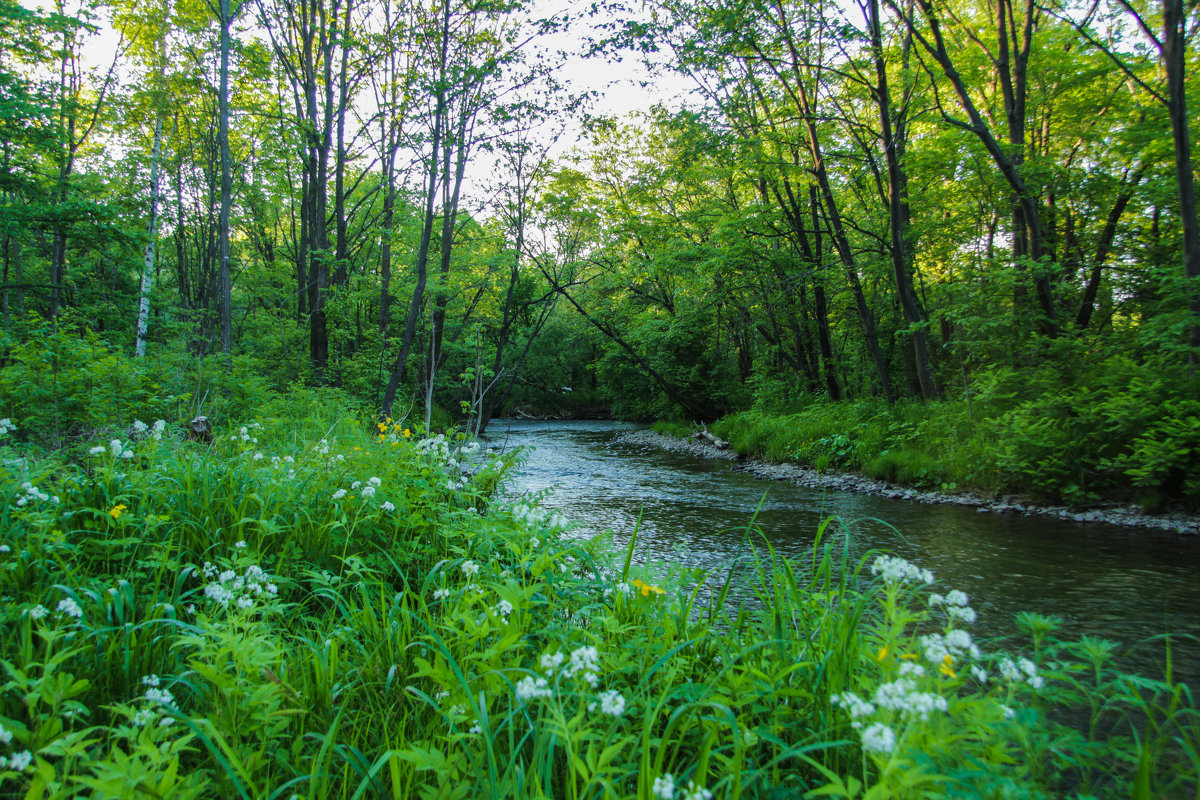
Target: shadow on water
(1116,583)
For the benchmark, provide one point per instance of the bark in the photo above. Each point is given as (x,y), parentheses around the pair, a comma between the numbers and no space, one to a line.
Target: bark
(898,219)
(1173,51)
(431,192)
(1026,215)
(143,318)
(225,288)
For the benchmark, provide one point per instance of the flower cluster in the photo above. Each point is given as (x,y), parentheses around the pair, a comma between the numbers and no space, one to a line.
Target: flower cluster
(1021,670)
(531,687)
(69,607)
(537,517)
(244,434)
(7,426)
(226,587)
(955,603)
(664,789)
(585,661)
(157,696)
(611,702)
(896,570)
(139,428)
(31,494)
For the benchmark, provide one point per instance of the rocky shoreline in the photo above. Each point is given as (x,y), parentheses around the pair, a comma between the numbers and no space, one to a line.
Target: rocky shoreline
(1127,516)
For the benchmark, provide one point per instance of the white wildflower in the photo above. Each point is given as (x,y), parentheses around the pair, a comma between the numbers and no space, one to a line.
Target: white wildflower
(530,687)
(896,570)
(612,703)
(339,494)
(470,568)
(878,738)
(551,661)
(387,506)
(664,787)
(70,608)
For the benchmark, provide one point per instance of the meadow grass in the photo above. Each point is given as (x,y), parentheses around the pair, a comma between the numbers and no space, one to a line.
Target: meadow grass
(333,608)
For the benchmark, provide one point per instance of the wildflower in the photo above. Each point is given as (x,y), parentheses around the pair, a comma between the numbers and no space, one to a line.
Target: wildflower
(503,608)
(530,687)
(441,594)
(19,762)
(339,494)
(241,545)
(6,426)
(115,447)
(4,548)
(612,703)
(98,450)
(476,729)
(156,430)
(368,491)
(139,427)
(909,668)
(897,570)
(374,482)
(407,433)
(38,612)
(127,454)
(694,792)
(551,661)
(947,666)
(979,673)
(883,652)
(150,680)
(586,661)
(387,506)
(5,735)
(854,704)
(354,486)
(878,738)
(645,588)
(534,543)
(664,787)
(70,608)
(470,568)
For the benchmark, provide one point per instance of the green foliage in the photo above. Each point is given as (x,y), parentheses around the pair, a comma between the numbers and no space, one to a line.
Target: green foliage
(196,621)
(680,430)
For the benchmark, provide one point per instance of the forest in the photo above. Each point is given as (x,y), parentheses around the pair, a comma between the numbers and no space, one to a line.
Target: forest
(271,267)
(952,244)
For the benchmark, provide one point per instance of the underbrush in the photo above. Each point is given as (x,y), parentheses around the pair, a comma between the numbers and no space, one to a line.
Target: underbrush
(328,608)
(1120,431)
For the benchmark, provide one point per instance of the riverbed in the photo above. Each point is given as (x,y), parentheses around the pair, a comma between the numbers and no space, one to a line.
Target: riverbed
(1129,585)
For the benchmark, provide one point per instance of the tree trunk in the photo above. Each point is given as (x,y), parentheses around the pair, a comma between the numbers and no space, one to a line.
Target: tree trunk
(225,289)
(1174,47)
(143,318)
(897,213)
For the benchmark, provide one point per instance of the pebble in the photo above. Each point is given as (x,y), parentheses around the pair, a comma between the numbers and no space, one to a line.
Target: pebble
(1129,516)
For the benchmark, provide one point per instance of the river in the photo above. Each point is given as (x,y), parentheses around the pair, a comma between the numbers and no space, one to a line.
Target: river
(1128,585)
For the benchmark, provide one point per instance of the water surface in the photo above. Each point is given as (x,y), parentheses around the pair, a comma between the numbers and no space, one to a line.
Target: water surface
(1118,583)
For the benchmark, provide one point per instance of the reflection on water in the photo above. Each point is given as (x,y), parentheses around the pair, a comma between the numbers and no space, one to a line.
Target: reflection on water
(1104,581)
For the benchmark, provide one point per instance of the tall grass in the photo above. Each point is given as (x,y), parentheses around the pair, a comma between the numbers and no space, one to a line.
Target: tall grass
(320,608)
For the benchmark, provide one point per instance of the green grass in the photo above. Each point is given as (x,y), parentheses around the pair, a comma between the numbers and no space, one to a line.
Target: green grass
(450,645)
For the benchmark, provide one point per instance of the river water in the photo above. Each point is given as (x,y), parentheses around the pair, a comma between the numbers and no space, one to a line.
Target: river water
(1129,585)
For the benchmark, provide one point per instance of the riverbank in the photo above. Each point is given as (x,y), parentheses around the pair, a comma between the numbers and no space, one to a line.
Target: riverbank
(1123,515)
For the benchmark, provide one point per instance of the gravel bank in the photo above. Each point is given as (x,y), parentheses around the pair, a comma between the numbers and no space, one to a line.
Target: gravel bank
(1128,516)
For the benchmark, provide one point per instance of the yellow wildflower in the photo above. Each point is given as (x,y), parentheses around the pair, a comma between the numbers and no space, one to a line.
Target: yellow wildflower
(645,588)
(883,651)
(407,433)
(116,511)
(946,666)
